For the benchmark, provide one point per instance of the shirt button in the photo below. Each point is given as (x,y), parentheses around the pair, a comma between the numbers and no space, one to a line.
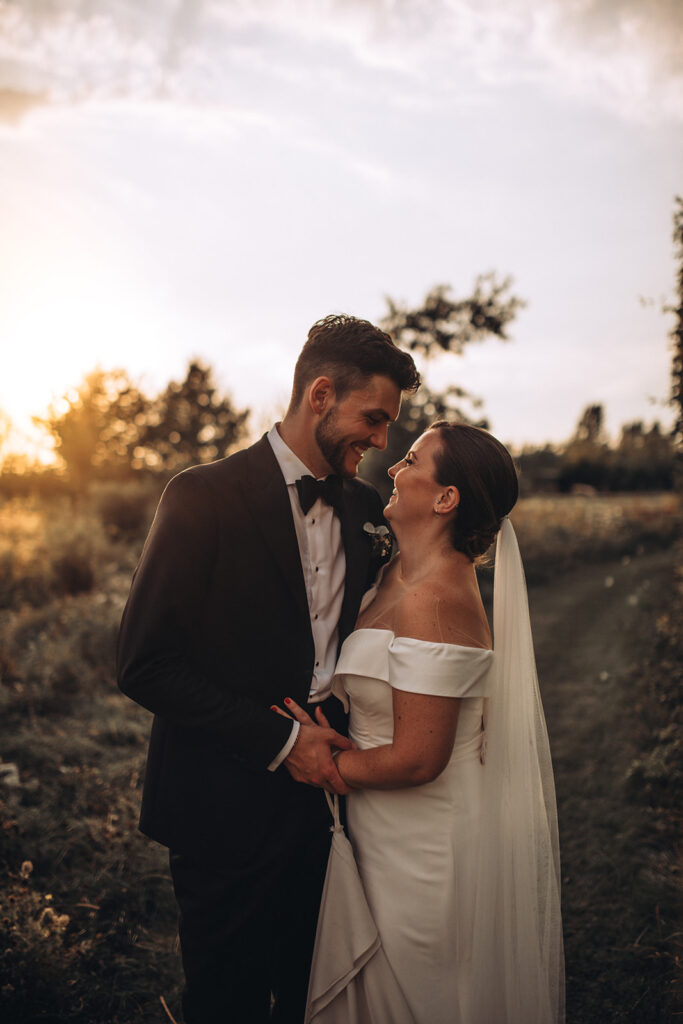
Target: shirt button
(317,663)
(316,568)
(312,521)
(315,616)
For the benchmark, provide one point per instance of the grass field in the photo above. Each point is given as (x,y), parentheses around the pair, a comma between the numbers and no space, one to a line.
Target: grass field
(557,533)
(87,919)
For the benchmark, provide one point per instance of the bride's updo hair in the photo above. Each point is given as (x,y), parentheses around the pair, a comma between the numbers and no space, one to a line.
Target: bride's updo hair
(482,469)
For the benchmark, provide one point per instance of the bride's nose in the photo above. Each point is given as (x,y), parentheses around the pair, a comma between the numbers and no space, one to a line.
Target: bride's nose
(393,470)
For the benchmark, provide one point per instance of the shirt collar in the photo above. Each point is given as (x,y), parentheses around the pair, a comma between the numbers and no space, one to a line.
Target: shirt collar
(291,465)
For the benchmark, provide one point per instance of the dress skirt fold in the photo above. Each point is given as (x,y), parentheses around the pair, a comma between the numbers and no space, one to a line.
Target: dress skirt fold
(351,978)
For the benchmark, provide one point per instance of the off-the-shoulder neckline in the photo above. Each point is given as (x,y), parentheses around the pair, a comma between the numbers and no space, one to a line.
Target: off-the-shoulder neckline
(414,640)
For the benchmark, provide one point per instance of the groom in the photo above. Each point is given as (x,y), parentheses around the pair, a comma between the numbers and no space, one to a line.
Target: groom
(250,579)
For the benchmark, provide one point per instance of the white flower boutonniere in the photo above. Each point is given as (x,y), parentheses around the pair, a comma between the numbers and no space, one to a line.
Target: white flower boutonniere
(382,539)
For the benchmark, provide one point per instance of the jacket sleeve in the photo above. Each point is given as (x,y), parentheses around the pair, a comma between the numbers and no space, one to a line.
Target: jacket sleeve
(155,664)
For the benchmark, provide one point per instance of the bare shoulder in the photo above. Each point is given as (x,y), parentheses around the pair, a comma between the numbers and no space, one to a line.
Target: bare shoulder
(439,612)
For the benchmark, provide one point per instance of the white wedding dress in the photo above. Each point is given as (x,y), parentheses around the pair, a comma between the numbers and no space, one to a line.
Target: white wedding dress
(444,908)
(415,848)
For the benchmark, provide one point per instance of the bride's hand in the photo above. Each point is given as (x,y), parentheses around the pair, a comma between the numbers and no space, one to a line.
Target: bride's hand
(296,712)
(302,716)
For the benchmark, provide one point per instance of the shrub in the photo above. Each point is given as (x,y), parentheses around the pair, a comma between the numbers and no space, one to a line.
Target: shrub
(126,510)
(22,584)
(73,572)
(53,656)
(47,549)
(33,952)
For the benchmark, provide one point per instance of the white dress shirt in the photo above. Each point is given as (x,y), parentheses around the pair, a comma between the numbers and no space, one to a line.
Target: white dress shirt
(323,562)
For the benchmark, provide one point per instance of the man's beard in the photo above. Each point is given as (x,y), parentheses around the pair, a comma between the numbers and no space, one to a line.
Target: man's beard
(333,447)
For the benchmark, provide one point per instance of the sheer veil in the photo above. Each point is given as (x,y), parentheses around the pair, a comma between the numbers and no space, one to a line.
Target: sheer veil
(517,969)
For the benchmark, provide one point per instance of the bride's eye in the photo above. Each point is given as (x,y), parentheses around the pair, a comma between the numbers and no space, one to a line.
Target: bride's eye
(408,460)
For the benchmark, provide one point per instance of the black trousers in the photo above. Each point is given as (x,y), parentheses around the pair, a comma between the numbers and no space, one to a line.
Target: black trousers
(247,927)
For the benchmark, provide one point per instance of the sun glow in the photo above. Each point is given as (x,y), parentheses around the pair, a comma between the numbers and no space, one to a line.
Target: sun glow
(54,333)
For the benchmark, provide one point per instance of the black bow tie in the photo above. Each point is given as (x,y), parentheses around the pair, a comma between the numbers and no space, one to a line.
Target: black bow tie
(310,489)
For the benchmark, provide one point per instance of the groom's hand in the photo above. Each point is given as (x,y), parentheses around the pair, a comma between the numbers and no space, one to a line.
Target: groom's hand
(310,759)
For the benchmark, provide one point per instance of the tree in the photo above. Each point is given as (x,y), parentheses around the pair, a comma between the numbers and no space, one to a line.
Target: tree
(95,425)
(444,324)
(107,427)
(584,459)
(440,324)
(188,423)
(589,429)
(641,461)
(539,469)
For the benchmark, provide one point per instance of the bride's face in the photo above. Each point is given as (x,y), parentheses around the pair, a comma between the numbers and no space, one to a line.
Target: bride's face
(416,490)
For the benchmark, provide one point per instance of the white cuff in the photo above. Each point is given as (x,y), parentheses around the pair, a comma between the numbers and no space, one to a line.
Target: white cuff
(279,758)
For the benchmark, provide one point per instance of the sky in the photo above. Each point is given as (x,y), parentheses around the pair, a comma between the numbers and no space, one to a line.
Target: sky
(207,178)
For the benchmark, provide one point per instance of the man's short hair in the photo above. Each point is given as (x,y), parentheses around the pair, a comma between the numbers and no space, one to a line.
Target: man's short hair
(349,351)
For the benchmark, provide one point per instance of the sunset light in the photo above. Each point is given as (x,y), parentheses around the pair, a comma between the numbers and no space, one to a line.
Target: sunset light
(260,633)
(213,183)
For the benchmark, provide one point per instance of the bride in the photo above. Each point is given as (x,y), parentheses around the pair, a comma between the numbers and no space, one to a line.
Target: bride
(445,908)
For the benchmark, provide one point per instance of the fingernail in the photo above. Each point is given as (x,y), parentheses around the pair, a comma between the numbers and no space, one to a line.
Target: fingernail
(288,700)
(273,707)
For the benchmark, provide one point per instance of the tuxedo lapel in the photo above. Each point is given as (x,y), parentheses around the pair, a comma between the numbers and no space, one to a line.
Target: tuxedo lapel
(268,499)
(356,550)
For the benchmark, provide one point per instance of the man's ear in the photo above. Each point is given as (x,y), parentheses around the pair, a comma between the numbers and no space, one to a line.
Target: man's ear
(321,395)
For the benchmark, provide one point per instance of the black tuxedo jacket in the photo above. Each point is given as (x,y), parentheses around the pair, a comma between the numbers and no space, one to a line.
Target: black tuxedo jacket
(215,630)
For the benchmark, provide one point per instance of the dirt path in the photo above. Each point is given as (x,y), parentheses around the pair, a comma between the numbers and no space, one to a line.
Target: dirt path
(590,628)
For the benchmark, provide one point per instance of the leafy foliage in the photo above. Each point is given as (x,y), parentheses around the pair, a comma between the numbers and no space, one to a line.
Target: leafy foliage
(642,460)
(589,429)
(96,425)
(108,428)
(188,423)
(445,324)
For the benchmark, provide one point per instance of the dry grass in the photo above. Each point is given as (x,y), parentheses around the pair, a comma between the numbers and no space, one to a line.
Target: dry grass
(88,933)
(556,533)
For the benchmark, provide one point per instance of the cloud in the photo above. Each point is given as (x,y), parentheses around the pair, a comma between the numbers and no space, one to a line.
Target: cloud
(620,55)
(623,54)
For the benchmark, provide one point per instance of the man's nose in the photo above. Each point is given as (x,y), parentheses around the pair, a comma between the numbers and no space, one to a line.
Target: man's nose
(379,437)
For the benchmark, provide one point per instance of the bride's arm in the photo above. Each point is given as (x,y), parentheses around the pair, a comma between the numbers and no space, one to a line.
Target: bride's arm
(424,733)
(424,724)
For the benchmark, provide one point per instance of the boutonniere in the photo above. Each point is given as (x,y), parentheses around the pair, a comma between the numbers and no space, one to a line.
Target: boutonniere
(382,539)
